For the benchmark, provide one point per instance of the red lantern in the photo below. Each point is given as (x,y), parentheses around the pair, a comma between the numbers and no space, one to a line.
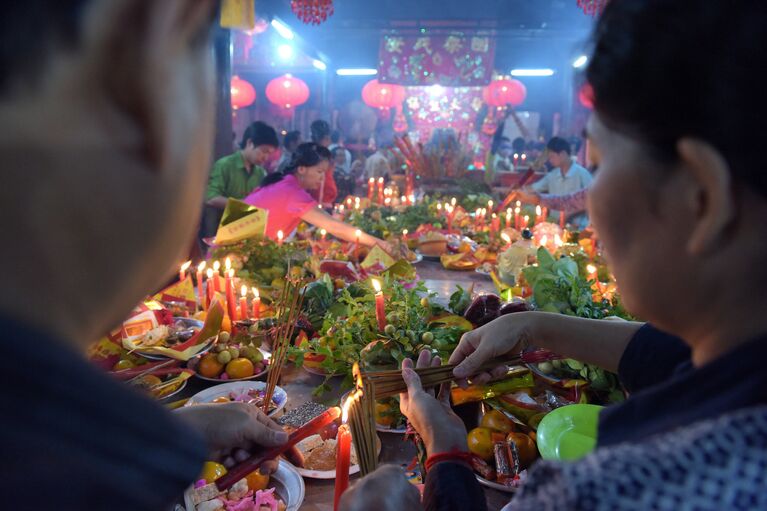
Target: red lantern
(586,96)
(312,11)
(505,92)
(243,93)
(287,91)
(383,95)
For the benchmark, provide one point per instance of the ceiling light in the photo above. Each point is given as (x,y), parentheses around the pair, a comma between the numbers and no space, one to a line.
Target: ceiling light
(362,71)
(285,51)
(532,72)
(580,61)
(282,29)
(435,90)
(318,64)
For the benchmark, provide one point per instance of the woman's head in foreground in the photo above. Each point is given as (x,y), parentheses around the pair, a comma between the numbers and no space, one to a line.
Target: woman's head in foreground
(680,201)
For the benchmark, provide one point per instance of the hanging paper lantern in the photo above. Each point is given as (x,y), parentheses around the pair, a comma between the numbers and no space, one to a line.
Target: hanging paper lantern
(312,11)
(243,93)
(592,7)
(586,96)
(505,92)
(287,91)
(383,95)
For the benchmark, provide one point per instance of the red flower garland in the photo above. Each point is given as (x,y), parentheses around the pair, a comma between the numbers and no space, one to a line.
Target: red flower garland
(312,11)
(592,7)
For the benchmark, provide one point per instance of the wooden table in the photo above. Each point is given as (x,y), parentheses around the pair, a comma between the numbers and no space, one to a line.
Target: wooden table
(299,385)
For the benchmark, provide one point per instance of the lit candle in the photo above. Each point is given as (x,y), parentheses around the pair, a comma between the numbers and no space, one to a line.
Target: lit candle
(182,271)
(495,224)
(357,235)
(217,274)
(490,205)
(484,214)
(516,217)
(380,190)
(592,272)
(449,210)
(453,201)
(387,201)
(524,158)
(508,218)
(371,188)
(538,214)
(439,207)
(230,302)
(516,160)
(323,234)
(380,311)
(544,214)
(200,295)
(280,236)
(256,314)
(505,237)
(562,219)
(341,210)
(404,236)
(526,222)
(211,287)
(343,456)
(244,302)
(412,199)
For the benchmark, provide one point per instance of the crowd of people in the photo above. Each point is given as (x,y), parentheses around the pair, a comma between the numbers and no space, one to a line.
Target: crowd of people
(99,213)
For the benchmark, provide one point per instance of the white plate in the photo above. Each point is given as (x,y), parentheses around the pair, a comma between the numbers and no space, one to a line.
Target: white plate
(418,258)
(288,483)
(326,474)
(208,395)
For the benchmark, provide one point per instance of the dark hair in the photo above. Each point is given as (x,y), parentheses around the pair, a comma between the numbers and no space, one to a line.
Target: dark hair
(291,137)
(307,154)
(665,70)
(259,133)
(558,144)
(335,137)
(320,130)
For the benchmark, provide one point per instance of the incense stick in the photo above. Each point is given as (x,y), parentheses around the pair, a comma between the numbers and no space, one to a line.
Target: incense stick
(361,406)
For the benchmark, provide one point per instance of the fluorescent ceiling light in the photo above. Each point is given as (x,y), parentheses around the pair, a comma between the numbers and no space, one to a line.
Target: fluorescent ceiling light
(435,90)
(318,64)
(362,71)
(532,72)
(285,51)
(580,61)
(282,29)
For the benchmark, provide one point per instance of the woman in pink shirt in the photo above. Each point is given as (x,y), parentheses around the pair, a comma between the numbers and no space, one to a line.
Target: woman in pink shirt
(285,195)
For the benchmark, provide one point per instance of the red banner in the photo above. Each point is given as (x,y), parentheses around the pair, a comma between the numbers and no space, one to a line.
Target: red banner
(448,60)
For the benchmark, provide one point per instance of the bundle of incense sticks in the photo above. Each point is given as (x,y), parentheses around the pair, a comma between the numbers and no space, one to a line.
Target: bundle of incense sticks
(288,310)
(390,383)
(361,409)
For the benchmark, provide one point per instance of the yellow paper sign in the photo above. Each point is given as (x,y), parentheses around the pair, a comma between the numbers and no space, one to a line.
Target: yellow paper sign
(240,222)
(375,256)
(238,14)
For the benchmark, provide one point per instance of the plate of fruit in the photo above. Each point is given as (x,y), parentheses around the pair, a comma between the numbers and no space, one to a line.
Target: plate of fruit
(250,392)
(501,451)
(282,491)
(232,359)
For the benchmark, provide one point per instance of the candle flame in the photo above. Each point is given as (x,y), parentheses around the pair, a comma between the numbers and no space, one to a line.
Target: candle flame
(505,237)
(201,266)
(280,235)
(527,218)
(216,266)
(323,232)
(489,204)
(255,293)
(508,211)
(517,210)
(516,155)
(358,233)
(453,201)
(372,180)
(538,210)
(591,269)
(404,232)
(495,216)
(351,398)
(228,264)
(230,273)
(478,212)
(380,180)
(558,240)
(519,204)
(439,207)
(376,285)
(341,208)
(186,266)
(244,291)
(524,156)
(484,211)
(209,274)
(357,200)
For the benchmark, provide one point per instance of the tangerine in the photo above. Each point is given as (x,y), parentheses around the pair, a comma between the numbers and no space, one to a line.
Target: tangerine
(240,368)
(384,415)
(257,481)
(480,442)
(212,471)
(528,452)
(497,421)
(209,366)
(226,324)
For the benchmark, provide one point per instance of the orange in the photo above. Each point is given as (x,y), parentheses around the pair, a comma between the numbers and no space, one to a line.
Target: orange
(257,481)
(384,417)
(226,325)
(212,471)
(240,368)
(480,442)
(123,364)
(528,452)
(497,421)
(209,366)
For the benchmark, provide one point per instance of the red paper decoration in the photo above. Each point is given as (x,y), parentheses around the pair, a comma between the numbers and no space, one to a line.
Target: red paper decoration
(382,95)
(287,91)
(243,93)
(586,96)
(312,11)
(505,92)
(592,7)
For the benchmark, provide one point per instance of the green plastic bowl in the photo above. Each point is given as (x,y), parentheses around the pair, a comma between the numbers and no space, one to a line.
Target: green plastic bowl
(568,433)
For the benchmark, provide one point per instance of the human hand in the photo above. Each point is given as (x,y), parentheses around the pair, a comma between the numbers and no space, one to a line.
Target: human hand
(527,197)
(440,428)
(234,430)
(386,489)
(507,334)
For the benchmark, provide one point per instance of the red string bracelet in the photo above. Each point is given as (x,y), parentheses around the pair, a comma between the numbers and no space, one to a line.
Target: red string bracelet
(452,455)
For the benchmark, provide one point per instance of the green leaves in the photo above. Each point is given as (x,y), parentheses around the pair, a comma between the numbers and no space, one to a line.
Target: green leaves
(459,301)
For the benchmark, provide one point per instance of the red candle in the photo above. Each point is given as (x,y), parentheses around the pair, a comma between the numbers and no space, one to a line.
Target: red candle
(526,222)
(253,463)
(323,234)
(380,311)
(380,190)
(538,213)
(211,287)
(200,295)
(562,219)
(490,205)
(516,217)
(495,224)
(371,188)
(544,214)
(343,460)
(244,302)
(516,160)
(182,271)
(280,236)
(217,275)
(230,303)
(357,235)
(404,236)
(256,314)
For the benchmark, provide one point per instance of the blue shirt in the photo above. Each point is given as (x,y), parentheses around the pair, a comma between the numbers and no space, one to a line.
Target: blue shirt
(555,183)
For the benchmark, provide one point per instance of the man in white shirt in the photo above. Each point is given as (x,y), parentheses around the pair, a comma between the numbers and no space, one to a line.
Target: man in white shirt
(567,177)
